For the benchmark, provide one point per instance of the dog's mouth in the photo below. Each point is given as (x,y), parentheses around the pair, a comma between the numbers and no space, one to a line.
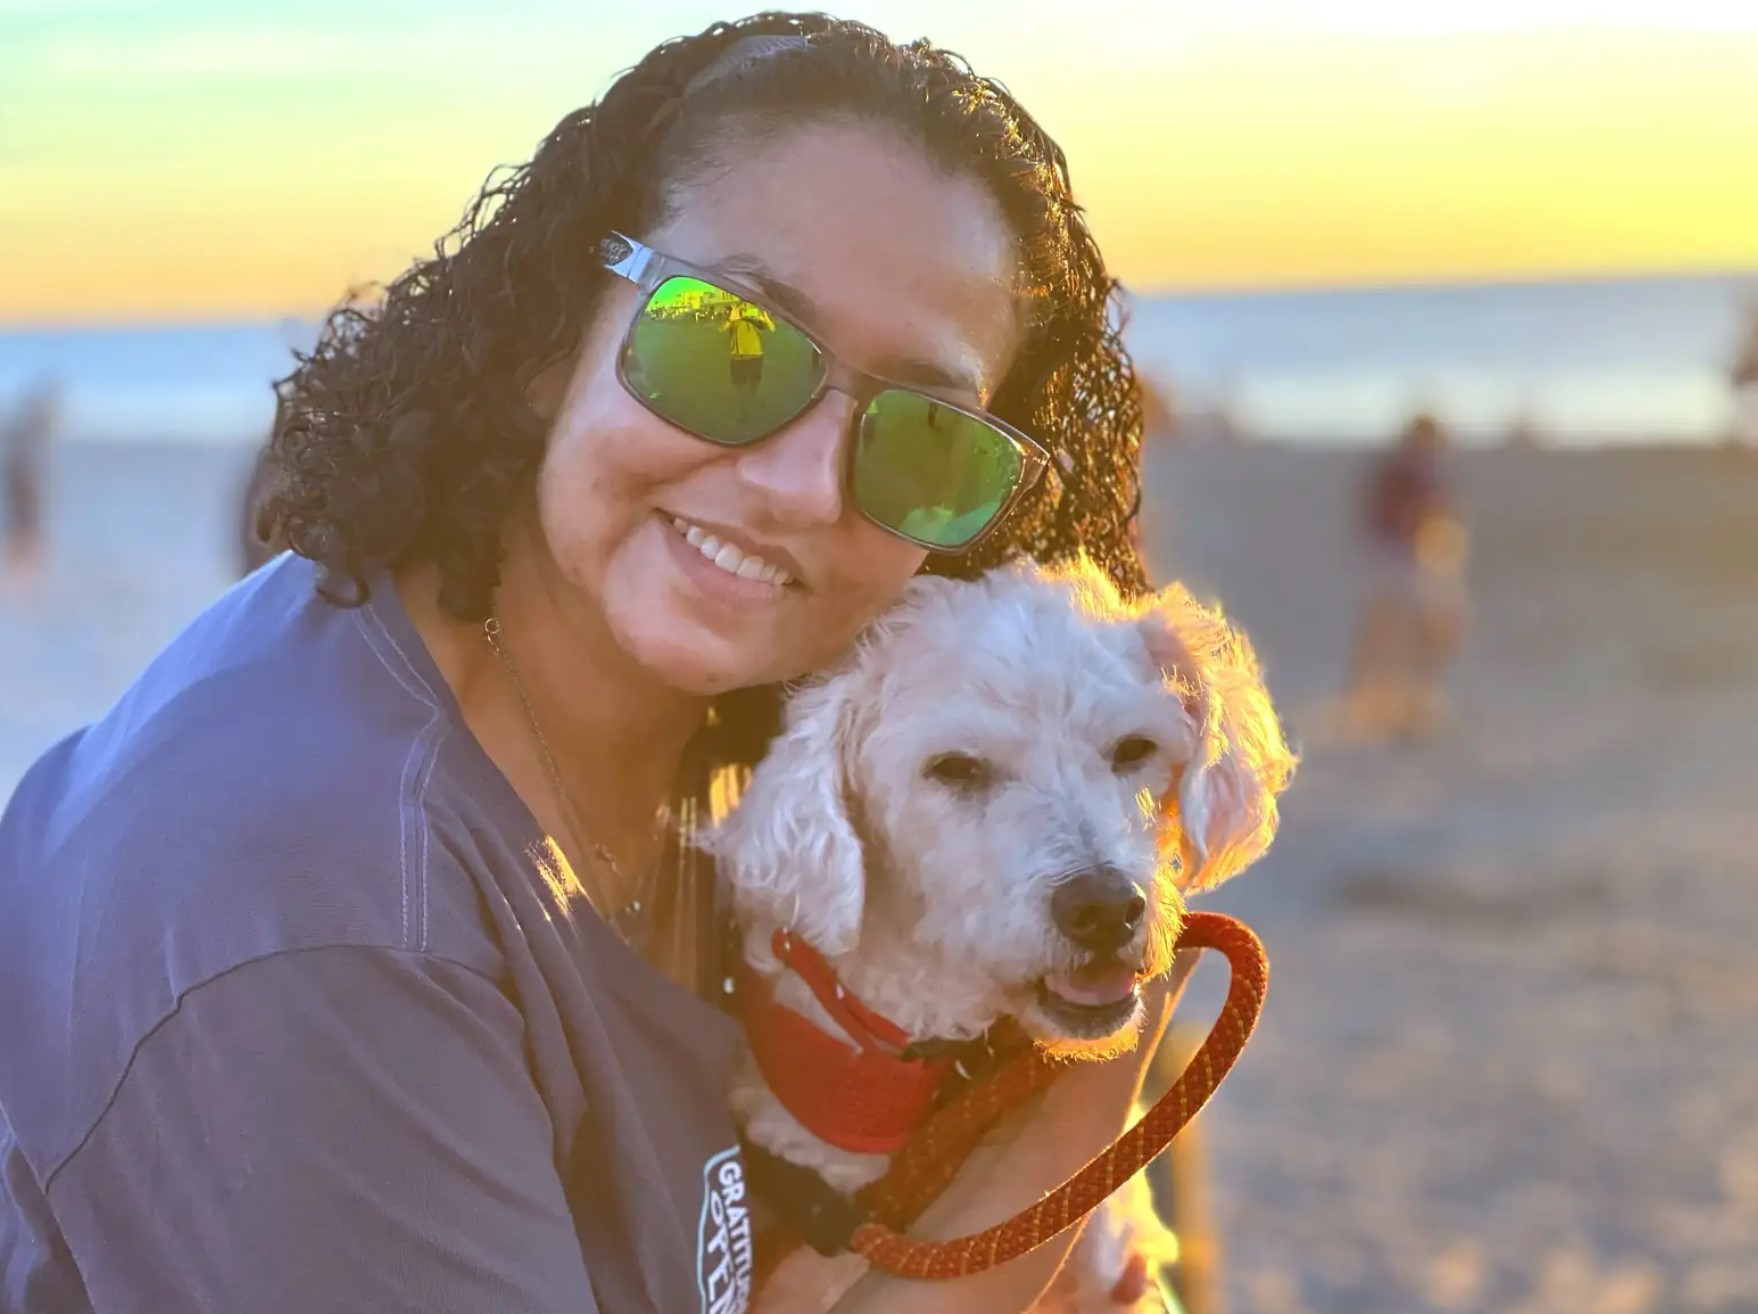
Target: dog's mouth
(1094,1000)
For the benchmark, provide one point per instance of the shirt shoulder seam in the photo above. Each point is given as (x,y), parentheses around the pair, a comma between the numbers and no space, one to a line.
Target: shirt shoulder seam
(412,828)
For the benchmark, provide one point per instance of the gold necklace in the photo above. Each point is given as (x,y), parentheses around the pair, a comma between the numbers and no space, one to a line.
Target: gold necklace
(631,921)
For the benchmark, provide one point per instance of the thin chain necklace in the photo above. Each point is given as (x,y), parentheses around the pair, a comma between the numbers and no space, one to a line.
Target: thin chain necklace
(631,921)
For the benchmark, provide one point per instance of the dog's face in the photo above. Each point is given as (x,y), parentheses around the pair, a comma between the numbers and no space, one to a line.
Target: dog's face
(996,779)
(1008,789)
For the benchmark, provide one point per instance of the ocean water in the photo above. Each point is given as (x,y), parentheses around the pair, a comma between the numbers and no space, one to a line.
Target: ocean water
(1577,363)
(1582,362)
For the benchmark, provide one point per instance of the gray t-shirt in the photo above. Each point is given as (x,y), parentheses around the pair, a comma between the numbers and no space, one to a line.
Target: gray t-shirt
(296,1013)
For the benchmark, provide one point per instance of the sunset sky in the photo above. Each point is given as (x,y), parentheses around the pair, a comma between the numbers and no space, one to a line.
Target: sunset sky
(196,159)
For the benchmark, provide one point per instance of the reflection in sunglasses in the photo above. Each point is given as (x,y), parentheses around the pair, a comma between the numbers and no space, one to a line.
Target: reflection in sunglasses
(732,372)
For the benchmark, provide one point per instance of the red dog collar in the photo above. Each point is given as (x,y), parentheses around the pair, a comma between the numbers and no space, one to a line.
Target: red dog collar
(859,1094)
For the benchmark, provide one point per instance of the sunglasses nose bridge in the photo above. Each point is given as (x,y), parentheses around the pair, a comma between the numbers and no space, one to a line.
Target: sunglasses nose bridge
(822,393)
(858,390)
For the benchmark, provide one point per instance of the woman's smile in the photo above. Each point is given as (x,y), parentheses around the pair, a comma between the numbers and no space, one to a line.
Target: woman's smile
(737,554)
(719,566)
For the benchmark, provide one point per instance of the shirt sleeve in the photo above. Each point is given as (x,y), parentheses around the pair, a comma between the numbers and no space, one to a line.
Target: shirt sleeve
(341,1129)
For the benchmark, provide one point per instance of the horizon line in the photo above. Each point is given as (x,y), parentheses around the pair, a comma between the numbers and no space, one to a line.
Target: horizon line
(1132,293)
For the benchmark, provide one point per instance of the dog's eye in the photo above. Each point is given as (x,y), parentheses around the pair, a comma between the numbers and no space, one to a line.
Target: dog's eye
(1132,751)
(959,770)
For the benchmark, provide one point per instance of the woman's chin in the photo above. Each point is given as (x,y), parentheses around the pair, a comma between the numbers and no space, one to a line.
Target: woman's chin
(690,659)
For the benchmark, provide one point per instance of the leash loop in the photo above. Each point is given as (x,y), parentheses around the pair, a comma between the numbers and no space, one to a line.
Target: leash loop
(927,1165)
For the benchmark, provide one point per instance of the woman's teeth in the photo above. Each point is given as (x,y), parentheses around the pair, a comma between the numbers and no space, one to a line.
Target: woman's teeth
(729,558)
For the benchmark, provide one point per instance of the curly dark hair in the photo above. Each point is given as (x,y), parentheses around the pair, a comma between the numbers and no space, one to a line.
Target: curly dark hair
(405,434)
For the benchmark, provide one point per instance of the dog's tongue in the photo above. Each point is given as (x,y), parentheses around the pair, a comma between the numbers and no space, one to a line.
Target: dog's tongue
(1094,985)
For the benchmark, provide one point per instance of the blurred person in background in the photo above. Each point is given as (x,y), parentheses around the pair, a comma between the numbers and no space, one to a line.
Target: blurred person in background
(253,549)
(359,958)
(1159,406)
(1744,379)
(24,459)
(1413,611)
(1524,432)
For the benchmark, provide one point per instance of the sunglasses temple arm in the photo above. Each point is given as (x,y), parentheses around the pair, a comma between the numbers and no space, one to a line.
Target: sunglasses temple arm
(626,258)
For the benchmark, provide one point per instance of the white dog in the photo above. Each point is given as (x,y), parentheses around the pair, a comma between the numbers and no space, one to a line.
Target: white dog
(991,808)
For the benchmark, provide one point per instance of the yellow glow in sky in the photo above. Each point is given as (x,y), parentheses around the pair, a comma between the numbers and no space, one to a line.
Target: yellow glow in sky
(192,159)
(1387,158)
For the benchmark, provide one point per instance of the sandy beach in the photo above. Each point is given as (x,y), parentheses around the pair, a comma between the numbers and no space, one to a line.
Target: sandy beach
(1510,1059)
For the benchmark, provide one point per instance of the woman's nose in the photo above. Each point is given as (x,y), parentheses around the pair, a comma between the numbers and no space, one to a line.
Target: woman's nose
(798,470)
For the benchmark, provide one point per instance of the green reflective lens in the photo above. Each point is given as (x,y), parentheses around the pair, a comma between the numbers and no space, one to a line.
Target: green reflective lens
(718,365)
(932,473)
(726,370)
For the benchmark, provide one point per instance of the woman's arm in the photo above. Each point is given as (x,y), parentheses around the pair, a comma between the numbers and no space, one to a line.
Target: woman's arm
(1034,1152)
(343,1129)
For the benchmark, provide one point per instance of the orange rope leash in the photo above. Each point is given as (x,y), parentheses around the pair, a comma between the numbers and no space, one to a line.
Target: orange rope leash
(928,1164)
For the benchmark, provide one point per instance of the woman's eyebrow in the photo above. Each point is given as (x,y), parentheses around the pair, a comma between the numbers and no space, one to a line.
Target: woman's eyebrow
(968,377)
(784,294)
(931,374)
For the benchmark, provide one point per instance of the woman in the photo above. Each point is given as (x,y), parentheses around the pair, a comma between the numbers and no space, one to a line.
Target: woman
(362,966)
(24,446)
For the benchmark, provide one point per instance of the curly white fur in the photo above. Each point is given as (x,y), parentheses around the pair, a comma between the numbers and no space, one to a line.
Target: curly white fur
(933,901)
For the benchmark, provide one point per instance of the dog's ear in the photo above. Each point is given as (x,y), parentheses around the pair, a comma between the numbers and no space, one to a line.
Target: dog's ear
(1225,794)
(789,850)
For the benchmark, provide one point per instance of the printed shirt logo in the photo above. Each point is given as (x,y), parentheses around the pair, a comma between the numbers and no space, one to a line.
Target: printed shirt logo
(723,1240)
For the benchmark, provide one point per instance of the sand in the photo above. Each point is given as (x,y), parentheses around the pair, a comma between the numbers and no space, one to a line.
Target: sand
(1510,1060)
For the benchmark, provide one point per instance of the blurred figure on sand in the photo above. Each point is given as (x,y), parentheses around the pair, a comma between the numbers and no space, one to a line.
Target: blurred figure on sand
(24,453)
(1159,410)
(253,549)
(1413,609)
(1744,378)
(1523,429)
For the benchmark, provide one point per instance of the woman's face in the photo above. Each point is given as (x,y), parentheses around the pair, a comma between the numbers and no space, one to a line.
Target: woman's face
(896,268)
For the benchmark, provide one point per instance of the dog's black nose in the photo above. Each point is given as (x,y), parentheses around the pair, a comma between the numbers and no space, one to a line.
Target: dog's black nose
(1098,910)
